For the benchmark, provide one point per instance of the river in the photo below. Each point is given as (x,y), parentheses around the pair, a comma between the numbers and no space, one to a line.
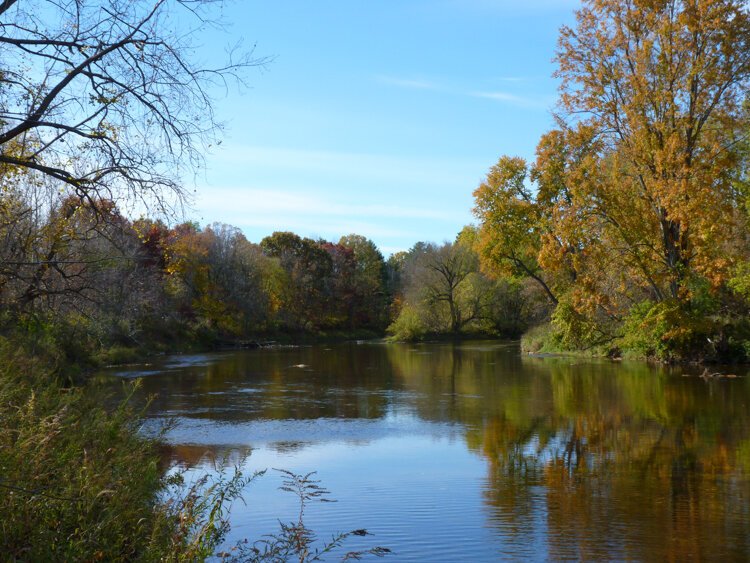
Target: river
(470,451)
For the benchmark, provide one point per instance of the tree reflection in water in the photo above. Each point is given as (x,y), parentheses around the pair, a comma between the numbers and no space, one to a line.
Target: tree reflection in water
(585,459)
(623,460)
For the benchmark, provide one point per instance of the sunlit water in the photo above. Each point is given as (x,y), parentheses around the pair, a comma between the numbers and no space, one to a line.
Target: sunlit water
(471,452)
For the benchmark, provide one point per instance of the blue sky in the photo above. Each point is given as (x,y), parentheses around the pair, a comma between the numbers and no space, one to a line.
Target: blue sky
(378,117)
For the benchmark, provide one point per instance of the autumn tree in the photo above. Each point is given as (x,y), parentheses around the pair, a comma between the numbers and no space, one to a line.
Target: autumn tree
(340,293)
(660,86)
(308,269)
(236,269)
(634,214)
(510,223)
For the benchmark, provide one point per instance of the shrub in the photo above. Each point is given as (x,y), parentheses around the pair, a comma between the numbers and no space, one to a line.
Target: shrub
(537,339)
(672,331)
(575,331)
(76,481)
(408,326)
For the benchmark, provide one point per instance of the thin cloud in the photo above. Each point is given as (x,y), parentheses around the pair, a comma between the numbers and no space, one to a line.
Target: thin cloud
(514,99)
(499,96)
(355,168)
(268,210)
(414,84)
(514,79)
(266,203)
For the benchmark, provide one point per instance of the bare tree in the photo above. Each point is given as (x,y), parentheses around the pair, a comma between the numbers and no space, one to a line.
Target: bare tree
(104,95)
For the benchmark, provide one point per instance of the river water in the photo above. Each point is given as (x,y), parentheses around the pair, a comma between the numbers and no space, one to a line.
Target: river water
(470,451)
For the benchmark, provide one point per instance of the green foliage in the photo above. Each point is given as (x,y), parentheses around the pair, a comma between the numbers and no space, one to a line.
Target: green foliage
(646,328)
(740,281)
(408,326)
(118,355)
(538,339)
(507,312)
(668,330)
(76,482)
(574,331)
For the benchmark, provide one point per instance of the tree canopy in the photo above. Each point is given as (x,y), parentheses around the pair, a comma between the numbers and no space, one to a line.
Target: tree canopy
(637,196)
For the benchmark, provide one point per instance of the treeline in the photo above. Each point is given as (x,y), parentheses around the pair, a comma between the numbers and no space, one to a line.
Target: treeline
(101,279)
(633,219)
(80,273)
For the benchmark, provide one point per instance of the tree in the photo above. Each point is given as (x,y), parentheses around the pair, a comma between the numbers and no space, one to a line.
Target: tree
(103,95)
(340,291)
(511,223)
(308,268)
(442,281)
(661,87)
(370,303)
(236,267)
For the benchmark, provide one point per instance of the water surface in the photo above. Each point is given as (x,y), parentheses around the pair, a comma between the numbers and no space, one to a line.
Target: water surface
(471,451)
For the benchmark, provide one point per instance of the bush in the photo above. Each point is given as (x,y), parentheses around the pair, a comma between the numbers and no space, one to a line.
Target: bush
(408,326)
(79,483)
(537,339)
(671,331)
(574,331)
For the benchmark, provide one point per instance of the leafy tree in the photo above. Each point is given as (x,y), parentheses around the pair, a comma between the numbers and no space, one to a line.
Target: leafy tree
(509,236)
(441,285)
(236,267)
(308,268)
(370,305)
(340,289)
(639,194)
(661,87)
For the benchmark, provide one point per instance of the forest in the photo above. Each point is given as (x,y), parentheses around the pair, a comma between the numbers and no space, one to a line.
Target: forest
(627,236)
(96,286)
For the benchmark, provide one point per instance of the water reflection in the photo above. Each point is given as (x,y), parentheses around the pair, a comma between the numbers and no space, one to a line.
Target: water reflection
(581,459)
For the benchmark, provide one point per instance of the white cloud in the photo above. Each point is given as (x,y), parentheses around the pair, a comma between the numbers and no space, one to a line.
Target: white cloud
(512,79)
(259,212)
(528,102)
(354,168)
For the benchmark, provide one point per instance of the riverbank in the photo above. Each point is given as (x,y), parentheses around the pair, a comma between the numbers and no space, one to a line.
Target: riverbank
(546,339)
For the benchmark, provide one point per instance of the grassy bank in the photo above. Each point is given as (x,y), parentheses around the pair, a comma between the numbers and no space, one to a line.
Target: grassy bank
(78,483)
(447,337)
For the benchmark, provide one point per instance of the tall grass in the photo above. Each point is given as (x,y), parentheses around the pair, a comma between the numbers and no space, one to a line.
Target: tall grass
(78,482)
